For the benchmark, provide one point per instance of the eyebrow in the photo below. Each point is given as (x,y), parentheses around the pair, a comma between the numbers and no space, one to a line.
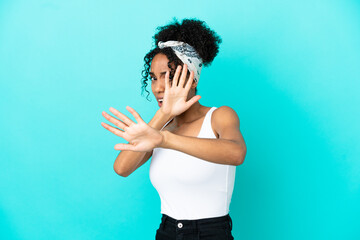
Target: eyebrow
(162,73)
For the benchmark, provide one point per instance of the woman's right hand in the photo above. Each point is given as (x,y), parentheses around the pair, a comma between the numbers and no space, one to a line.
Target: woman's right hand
(175,95)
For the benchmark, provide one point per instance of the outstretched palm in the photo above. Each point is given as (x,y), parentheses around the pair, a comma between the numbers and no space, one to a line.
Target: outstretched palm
(175,96)
(141,137)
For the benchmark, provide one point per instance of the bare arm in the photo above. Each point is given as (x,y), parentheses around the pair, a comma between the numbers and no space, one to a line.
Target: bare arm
(175,102)
(229,148)
(128,161)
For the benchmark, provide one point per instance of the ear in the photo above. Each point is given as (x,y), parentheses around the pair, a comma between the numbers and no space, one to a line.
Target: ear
(194,84)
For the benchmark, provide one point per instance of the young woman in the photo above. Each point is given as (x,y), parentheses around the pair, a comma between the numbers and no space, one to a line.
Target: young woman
(195,149)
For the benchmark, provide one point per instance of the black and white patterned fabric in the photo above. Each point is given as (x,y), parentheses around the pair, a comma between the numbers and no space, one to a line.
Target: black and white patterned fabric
(187,54)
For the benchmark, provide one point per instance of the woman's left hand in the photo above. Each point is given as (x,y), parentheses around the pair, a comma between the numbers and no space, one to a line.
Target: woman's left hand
(141,137)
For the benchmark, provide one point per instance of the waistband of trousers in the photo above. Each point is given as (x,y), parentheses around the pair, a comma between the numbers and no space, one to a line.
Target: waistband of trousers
(197,222)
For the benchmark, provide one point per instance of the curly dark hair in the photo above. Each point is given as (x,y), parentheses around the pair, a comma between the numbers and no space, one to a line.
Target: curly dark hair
(191,31)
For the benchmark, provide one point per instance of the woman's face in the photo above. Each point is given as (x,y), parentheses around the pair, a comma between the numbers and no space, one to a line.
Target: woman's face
(159,66)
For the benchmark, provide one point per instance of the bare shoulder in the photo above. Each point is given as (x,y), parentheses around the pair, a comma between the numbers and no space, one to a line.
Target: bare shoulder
(226,123)
(225,114)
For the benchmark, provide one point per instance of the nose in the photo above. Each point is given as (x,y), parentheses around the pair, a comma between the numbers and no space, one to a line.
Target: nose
(158,85)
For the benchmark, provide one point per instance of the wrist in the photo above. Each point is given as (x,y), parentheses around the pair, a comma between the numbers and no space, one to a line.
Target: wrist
(164,137)
(163,114)
(159,119)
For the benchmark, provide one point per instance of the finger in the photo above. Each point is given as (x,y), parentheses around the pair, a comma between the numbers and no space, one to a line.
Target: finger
(123,117)
(135,114)
(193,100)
(115,131)
(124,146)
(167,84)
(177,74)
(113,120)
(183,74)
(190,81)
(182,80)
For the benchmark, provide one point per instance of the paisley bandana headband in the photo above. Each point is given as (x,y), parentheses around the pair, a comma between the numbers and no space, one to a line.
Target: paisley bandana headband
(187,55)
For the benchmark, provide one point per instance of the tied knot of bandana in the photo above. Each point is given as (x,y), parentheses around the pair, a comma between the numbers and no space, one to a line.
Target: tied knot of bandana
(187,54)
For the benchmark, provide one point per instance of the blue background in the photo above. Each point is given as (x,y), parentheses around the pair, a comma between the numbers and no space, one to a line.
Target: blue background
(290,69)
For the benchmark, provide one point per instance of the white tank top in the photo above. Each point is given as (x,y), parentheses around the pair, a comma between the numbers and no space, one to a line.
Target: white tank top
(190,187)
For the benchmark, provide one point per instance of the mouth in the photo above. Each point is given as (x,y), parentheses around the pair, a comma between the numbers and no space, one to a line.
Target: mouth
(160,101)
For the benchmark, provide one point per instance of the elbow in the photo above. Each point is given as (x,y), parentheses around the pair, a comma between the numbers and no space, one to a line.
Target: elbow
(240,157)
(120,173)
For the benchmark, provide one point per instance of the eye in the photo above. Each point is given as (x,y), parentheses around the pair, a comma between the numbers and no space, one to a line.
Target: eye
(152,78)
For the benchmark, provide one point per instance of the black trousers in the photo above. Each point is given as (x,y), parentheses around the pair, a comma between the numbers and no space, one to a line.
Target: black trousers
(218,228)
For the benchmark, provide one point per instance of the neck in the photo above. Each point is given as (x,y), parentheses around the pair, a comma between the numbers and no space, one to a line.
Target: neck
(193,113)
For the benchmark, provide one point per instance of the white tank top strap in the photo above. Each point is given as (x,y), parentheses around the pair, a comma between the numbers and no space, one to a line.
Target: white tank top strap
(166,124)
(208,115)
(206,128)
(206,121)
